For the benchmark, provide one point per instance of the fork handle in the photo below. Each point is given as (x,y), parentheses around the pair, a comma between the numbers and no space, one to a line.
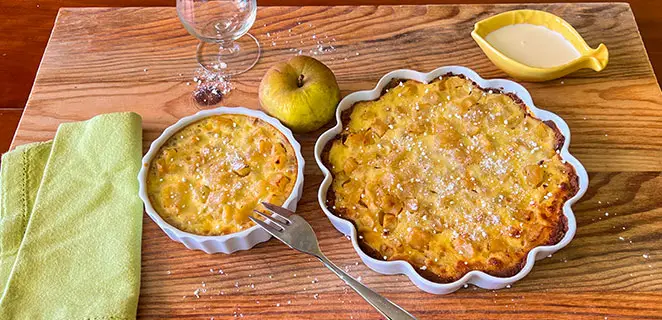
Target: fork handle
(387,308)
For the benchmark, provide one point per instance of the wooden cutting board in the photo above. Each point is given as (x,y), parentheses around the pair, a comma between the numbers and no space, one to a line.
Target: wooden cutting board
(141,59)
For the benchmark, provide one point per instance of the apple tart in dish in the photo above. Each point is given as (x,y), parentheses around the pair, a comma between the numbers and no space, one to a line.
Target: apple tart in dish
(204,177)
(449,177)
(208,177)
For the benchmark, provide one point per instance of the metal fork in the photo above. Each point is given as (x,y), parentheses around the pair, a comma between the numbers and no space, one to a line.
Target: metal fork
(295,232)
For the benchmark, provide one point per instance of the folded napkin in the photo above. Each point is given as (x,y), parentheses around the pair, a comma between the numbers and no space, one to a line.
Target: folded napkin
(71,223)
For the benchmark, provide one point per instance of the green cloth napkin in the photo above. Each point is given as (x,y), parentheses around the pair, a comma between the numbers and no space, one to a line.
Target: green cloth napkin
(71,223)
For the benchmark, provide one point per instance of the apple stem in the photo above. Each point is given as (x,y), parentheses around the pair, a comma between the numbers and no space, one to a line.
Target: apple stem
(300,81)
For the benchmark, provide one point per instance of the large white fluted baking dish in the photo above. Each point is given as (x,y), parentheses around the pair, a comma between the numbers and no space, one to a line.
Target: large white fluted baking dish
(477,278)
(228,243)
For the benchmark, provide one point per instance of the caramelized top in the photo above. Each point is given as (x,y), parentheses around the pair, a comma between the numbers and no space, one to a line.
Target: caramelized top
(449,177)
(208,177)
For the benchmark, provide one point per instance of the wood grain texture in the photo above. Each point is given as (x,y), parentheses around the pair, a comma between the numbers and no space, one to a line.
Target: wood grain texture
(27,24)
(141,59)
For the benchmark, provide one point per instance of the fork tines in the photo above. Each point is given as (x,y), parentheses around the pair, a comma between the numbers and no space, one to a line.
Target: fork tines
(278,219)
(276,209)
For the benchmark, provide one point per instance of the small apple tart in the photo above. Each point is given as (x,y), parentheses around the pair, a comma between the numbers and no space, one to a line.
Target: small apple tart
(208,177)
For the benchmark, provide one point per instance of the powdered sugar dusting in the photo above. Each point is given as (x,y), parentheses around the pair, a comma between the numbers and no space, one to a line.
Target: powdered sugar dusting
(446,163)
(303,39)
(210,88)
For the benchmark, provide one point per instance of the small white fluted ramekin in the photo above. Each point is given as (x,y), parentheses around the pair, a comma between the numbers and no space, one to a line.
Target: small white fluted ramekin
(477,278)
(228,243)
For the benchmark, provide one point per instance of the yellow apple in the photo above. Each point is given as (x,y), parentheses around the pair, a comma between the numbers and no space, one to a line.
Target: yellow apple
(302,93)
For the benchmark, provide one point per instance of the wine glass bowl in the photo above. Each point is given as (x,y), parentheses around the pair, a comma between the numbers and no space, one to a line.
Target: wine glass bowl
(220,25)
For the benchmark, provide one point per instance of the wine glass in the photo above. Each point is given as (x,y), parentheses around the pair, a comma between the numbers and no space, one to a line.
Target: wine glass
(220,25)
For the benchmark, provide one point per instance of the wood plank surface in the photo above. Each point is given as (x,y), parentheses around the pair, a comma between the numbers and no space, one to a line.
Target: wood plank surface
(141,59)
(27,25)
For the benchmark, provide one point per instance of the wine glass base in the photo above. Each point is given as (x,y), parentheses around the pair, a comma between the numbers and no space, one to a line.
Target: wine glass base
(229,59)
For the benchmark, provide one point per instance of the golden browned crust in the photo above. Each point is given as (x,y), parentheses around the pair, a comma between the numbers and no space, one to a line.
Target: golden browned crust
(556,231)
(208,177)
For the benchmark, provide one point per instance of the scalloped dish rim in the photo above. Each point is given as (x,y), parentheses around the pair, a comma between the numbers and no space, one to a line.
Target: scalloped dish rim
(478,278)
(229,243)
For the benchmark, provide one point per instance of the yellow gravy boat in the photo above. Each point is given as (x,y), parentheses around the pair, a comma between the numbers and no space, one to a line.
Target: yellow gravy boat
(589,58)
